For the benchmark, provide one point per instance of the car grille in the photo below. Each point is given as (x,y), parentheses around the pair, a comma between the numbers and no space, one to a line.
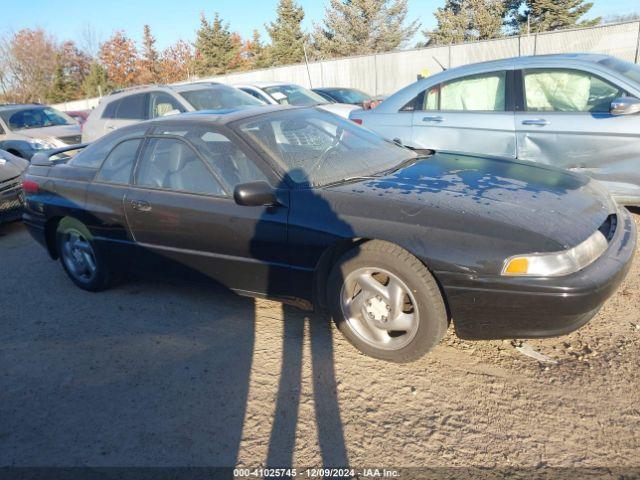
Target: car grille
(608,228)
(10,196)
(71,140)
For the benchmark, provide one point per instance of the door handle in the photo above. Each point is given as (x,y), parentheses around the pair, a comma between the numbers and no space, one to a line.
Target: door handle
(140,205)
(433,119)
(540,122)
(110,127)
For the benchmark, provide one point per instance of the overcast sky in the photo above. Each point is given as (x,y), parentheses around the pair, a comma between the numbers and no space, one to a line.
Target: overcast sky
(171,20)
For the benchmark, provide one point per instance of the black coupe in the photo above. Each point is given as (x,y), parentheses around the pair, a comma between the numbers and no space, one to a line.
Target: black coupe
(299,205)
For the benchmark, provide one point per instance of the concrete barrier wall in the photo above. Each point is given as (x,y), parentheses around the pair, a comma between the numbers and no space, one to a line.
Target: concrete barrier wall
(384,73)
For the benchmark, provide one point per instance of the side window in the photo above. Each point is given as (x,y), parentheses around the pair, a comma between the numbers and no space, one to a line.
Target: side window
(118,165)
(228,161)
(172,164)
(564,90)
(110,109)
(93,155)
(225,158)
(161,103)
(132,107)
(480,93)
(431,98)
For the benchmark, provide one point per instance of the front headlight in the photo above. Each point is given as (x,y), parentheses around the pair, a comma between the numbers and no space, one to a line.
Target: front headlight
(557,263)
(38,144)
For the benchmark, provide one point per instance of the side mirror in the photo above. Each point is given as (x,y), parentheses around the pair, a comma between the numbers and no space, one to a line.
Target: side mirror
(255,194)
(625,106)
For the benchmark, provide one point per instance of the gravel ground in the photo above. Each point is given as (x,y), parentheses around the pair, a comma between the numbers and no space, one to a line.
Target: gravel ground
(156,374)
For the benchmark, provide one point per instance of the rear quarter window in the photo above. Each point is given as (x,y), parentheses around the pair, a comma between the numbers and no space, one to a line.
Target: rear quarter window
(94,154)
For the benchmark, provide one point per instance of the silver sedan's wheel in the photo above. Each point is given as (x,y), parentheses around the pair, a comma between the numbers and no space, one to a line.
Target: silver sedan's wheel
(380,308)
(78,256)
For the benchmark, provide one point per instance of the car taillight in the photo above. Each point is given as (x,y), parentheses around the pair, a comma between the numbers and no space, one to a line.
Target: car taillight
(29,186)
(357,120)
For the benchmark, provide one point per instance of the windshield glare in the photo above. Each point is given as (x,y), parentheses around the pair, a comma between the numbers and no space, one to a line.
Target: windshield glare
(316,148)
(349,95)
(36,117)
(219,98)
(627,69)
(294,95)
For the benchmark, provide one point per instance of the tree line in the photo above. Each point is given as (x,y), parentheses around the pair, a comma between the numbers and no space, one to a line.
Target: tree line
(34,66)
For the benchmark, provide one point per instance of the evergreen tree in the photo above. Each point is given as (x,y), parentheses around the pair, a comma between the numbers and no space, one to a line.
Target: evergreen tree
(61,89)
(214,47)
(287,38)
(467,20)
(96,82)
(150,72)
(354,27)
(545,15)
(258,54)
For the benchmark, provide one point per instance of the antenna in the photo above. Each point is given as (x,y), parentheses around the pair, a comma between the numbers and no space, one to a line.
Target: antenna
(438,62)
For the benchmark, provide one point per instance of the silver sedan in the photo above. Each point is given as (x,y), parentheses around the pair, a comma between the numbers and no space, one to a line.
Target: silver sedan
(575,111)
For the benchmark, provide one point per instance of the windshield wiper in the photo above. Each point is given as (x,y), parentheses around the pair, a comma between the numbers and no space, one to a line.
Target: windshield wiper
(395,168)
(348,180)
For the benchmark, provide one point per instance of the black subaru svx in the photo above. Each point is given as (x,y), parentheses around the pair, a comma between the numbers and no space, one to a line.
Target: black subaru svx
(299,205)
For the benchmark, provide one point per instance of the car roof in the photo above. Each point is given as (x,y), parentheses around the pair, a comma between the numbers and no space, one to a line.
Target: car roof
(123,92)
(17,106)
(222,117)
(263,84)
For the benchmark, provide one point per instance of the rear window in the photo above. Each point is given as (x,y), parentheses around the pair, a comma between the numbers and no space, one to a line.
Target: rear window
(94,154)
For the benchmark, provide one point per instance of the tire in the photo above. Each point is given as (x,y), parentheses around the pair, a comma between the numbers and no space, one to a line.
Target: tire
(80,258)
(386,302)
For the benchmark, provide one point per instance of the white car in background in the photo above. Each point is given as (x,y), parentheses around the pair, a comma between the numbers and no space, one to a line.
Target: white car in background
(281,93)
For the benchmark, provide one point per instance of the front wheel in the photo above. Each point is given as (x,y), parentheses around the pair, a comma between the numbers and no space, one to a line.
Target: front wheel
(386,303)
(79,257)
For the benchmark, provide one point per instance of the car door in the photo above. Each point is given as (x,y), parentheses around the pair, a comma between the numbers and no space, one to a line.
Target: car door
(104,207)
(471,114)
(125,111)
(566,122)
(182,214)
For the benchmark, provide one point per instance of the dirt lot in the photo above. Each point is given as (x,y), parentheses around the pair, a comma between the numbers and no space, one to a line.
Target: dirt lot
(161,374)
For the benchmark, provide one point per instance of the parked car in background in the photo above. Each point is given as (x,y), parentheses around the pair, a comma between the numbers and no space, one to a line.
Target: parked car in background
(27,129)
(136,104)
(299,204)
(575,111)
(350,96)
(11,197)
(280,93)
(79,116)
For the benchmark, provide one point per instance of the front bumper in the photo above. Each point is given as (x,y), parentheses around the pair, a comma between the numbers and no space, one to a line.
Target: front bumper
(520,307)
(11,201)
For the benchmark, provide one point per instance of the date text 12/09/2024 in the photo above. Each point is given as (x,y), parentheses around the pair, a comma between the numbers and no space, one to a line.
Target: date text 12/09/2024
(315,473)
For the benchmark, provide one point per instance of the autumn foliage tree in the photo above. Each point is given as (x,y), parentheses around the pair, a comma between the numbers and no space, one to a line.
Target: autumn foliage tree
(176,62)
(119,56)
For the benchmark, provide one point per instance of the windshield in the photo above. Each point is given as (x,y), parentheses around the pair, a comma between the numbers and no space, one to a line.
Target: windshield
(349,95)
(316,148)
(219,97)
(294,95)
(627,69)
(35,117)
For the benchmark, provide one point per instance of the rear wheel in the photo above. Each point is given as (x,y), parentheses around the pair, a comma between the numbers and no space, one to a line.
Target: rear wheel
(386,303)
(79,257)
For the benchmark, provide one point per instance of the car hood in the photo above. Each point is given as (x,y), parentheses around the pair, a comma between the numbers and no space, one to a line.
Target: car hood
(49,133)
(342,109)
(11,166)
(562,207)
